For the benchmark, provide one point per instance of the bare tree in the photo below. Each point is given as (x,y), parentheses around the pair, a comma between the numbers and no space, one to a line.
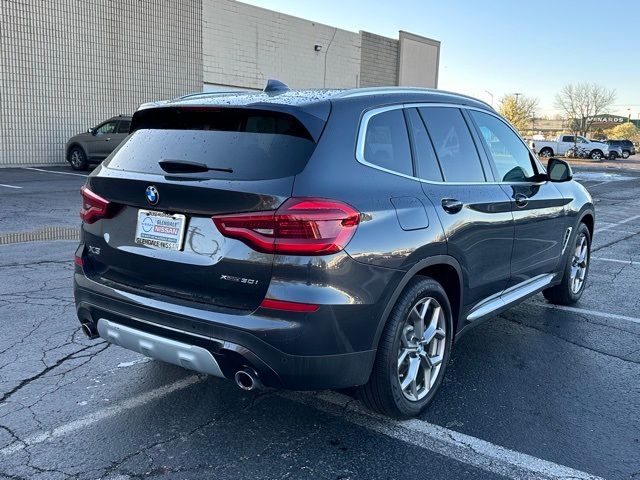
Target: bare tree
(519,110)
(581,102)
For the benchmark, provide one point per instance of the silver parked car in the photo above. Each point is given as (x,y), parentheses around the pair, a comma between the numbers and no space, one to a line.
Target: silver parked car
(97,143)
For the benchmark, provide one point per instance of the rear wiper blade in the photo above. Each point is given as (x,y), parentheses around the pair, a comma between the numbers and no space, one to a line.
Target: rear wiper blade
(182,166)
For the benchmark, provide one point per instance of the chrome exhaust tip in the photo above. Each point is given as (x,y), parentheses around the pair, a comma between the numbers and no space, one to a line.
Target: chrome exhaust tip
(247,379)
(90,330)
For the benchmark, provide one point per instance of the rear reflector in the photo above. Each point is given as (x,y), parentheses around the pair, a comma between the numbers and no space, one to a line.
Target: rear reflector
(94,207)
(301,226)
(288,306)
(79,261)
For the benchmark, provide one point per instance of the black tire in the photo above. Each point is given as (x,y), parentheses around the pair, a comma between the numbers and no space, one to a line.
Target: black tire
(546,152)
(383,393)
(563,294)
(78,159)
(596,155)
(613,156)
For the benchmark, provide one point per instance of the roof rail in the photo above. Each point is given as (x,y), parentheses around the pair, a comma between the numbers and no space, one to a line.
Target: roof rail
(360,92)
(275,87)
(210,93)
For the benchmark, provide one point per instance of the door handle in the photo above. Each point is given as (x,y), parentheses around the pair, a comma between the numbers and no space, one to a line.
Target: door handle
(107,139)
(451,205)
(521,200)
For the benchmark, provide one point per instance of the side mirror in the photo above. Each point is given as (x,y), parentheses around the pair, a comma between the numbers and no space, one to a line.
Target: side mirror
(559,170)
(91,130)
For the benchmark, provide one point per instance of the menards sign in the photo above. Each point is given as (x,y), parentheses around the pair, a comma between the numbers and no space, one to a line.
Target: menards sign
(607,120)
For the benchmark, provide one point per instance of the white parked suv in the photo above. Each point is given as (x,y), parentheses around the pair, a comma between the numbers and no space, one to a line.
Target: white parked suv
(559,146)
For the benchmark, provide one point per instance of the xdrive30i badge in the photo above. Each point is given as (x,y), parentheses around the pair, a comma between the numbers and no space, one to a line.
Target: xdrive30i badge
(231,278)
(152,195)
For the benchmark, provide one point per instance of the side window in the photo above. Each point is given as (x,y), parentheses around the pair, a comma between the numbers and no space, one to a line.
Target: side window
(453,144)
(109,127)
(386,142)
(568,138)
(509,154)
(425,157)
(123,126)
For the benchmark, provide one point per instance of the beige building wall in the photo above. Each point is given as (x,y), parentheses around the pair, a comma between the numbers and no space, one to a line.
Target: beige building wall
(69,64)
(244,45)
(419,61)
(379,60)
(66,65)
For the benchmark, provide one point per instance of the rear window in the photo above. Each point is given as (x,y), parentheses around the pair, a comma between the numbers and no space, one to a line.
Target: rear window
(246,144)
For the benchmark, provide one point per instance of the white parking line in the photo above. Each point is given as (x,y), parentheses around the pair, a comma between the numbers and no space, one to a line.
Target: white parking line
(612,225)
(614,260)
(53,171)
(9,186)
(100,415)
(449,443)
(584,311)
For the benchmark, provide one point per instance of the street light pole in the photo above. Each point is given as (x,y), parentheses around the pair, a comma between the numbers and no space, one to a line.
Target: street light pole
(517,94)
(491,94)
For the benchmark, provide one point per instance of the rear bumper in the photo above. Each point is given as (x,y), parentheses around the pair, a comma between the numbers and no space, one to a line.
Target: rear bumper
(273,347)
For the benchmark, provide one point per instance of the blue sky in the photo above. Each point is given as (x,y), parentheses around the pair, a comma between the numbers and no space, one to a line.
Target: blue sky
(506,46)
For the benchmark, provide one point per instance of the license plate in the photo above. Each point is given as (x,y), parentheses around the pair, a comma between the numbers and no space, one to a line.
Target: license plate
(160,230)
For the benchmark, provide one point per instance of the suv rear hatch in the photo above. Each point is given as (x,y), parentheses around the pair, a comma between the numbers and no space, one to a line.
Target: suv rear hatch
(148,209)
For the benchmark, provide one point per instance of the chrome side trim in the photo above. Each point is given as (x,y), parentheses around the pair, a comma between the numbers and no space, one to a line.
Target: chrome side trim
(366,117)
(184,355)
(567,236)
(510,296)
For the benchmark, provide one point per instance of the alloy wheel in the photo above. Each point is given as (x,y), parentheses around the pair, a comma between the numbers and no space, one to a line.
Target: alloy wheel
(579,264)
(76,159)
(422,347)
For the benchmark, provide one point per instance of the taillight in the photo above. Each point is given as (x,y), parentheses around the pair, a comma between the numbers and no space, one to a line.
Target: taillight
(94,207)
(301,226)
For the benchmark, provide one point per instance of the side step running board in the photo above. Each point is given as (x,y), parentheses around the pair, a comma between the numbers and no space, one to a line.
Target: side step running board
(510,296)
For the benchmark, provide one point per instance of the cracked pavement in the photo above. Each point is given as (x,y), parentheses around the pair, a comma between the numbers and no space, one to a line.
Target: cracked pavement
(557,385)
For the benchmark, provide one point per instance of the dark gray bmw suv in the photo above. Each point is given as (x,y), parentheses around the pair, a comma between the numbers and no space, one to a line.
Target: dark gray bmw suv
(323,239)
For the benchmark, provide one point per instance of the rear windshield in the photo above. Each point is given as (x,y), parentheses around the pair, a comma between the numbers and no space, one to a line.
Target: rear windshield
(246,144)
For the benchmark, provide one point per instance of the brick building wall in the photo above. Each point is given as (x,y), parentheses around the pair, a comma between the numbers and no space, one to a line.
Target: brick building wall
(69,64)
(244,45)
(379,60)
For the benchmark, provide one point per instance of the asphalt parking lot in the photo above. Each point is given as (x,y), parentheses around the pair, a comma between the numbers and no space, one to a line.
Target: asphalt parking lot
(538,392)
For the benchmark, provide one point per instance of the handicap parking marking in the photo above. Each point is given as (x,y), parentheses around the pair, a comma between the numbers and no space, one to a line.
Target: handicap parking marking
(9,186)
(55,172)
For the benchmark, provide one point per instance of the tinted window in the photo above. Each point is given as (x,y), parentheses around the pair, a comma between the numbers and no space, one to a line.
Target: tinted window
(124,126)
(386,142)
(509,155)
(425,158)
(453,144)
(567,138)
(109,127)
(254,144)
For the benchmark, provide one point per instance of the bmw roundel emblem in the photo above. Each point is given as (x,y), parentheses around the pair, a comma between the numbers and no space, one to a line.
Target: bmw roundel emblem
(153,197)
